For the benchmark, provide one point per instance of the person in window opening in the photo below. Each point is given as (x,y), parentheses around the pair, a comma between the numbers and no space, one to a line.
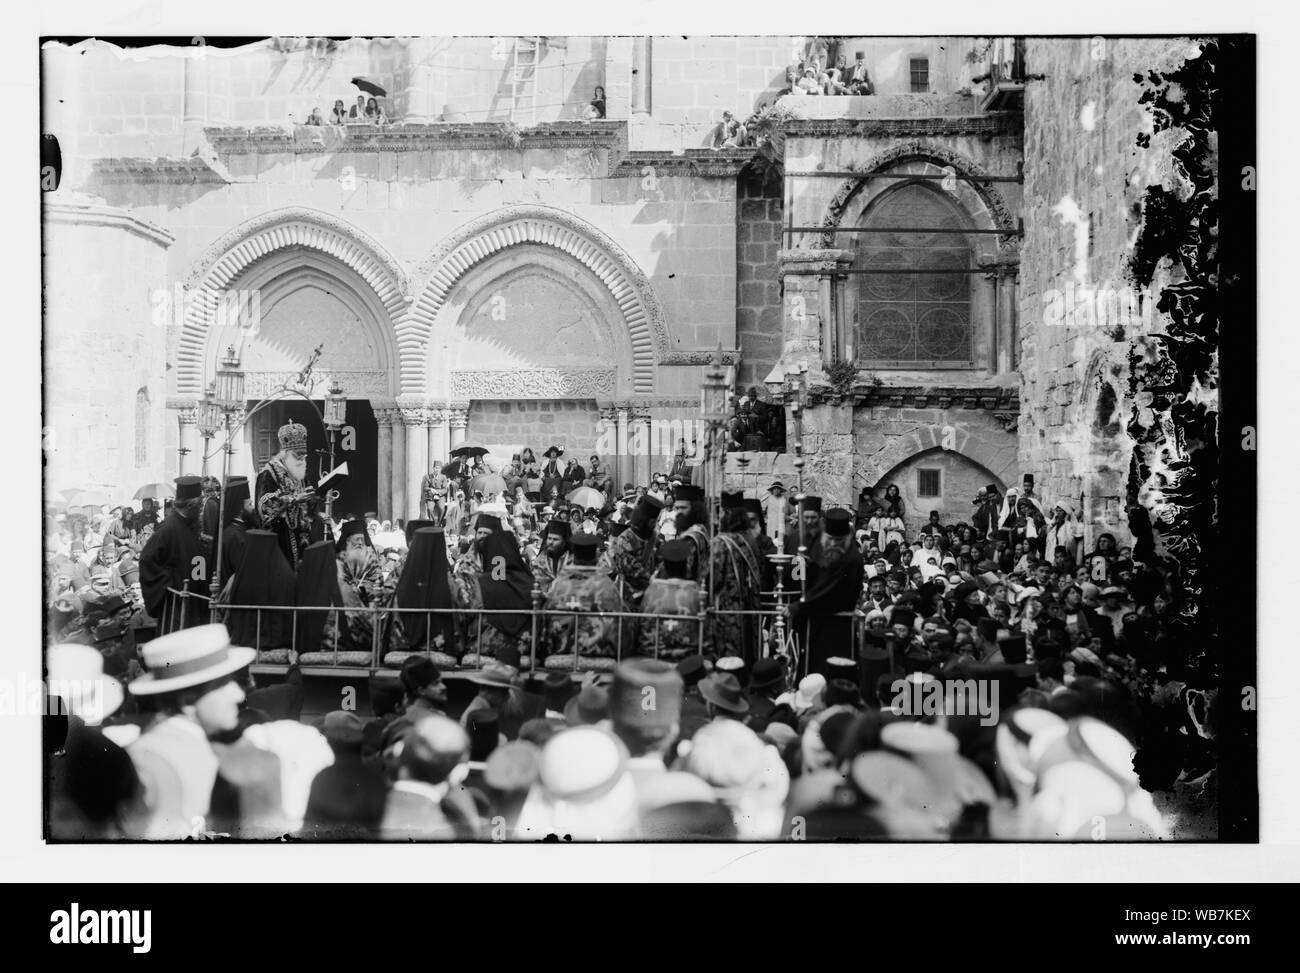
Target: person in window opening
(375,113)
(893,504)
(315,118)
(339,113)
(596,107)
(357,113)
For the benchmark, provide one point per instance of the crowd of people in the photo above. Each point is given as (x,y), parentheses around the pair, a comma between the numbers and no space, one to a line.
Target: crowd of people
(366,110)
(789,650)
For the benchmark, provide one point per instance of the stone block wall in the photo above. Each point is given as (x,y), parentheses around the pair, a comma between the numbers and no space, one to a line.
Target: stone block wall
(105,382)
(572,424)
(1084,178)
(758,297)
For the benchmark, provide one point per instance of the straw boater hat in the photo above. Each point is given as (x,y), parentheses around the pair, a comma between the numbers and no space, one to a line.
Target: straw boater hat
(76,676)
(188,658)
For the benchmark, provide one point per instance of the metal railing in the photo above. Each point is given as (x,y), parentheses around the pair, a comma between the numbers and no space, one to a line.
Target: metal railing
(773,635)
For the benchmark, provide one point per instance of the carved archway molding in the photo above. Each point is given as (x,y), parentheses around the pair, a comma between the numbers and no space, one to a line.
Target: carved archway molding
(999,458)
(999,214)
(482,238)
(261,237)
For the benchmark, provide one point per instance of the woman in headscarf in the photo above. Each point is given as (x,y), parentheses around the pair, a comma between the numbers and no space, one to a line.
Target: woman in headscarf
(424,584)
(1100,561)
(504,584)
(893,502)
(263,578)
(361,583)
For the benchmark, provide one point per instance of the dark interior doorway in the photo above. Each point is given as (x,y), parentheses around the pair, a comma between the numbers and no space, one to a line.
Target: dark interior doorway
(360,492)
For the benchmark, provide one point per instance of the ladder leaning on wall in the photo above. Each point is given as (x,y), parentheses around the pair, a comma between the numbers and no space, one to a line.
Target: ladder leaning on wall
(523,77)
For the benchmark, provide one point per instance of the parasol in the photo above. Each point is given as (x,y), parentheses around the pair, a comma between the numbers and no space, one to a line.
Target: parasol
(157,491)
(86,498)
(468,449)
(370,87)
(487,483)
(587,498)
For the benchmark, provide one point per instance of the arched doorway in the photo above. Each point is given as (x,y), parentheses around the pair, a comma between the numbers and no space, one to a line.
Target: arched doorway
(942,480)
(307,304)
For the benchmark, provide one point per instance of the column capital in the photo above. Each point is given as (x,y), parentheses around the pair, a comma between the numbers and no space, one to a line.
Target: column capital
(459,418)
(189,415)
(418,416)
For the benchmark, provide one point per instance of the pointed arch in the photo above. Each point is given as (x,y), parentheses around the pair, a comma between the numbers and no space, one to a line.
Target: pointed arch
(270,233)
(980,199)
(482,238)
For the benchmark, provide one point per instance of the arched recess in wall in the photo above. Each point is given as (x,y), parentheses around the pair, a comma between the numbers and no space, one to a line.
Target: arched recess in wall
(267,249)
(986,206)
(989,449)
(600,256)
(1103,427)
(530,322)
(940,479)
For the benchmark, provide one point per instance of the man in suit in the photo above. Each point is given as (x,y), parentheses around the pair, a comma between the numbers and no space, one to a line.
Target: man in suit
(427,802)
(174,558)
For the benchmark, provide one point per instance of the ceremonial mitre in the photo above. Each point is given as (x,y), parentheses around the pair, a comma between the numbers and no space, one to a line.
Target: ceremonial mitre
(293,435)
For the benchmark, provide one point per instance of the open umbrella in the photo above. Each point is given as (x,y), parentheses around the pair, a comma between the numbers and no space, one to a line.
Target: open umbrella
(157,491)
(587,498)
(370,87)
(467,449)
(487,483)
(86,498)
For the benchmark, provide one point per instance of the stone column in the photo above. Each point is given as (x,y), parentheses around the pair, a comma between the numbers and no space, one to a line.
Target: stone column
(438,444)
(458,420)
(640,442)
(397,479)
(196,99)
(420,107)
(417,457)
(810,328)
(641,76)
(385,503)
(191,454)
(625,470)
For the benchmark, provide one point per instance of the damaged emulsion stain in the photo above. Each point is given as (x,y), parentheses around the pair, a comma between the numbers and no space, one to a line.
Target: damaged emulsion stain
(1173,376)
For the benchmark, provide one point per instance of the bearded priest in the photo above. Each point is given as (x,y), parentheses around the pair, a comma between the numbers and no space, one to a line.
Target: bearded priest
(286,503)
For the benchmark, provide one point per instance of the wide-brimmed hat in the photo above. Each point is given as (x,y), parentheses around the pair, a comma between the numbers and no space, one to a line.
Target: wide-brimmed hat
(495,674)
(766,672)
(188,658)
(723,691)
(554,451)
(76,676)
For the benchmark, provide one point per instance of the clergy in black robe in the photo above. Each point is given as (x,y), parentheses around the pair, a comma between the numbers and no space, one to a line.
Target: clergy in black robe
(238,517)
(263,578)
(837,589)
(174,558)
(424,583)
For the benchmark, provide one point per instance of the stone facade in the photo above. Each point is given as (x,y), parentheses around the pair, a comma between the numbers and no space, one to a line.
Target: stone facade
(494,248)
(105,388)
(1084,177)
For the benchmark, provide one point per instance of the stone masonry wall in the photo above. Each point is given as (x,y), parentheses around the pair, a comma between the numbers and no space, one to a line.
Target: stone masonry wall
(758,298)
(1084,176)
(573,425)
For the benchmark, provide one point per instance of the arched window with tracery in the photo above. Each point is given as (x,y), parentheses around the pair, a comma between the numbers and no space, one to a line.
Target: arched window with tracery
(142,427)
(914,315)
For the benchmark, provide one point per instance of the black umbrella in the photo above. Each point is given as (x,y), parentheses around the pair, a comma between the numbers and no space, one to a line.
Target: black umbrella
(465,449)
(370,87)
